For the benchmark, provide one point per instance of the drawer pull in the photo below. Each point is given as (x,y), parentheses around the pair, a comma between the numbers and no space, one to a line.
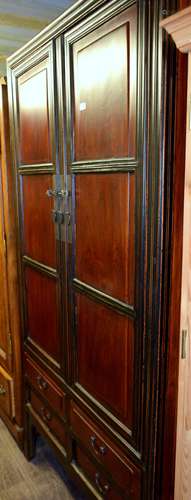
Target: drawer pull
(99,450)
(102,489)
(2,390)
(46,415)
(42,384)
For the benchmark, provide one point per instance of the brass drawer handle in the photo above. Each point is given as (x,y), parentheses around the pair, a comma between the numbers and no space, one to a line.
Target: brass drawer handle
(99,450)
(42,384)
(102,489)
(46,415)
(2,390)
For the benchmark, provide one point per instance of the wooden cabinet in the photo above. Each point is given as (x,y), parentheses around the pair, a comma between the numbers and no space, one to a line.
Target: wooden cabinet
(10,341)
(91,162)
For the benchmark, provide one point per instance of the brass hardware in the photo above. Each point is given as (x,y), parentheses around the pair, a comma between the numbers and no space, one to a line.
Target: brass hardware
(42,384)
(54,215)
(99,450)
(2,390)
(102,489)
(183,346)
(46,415)
(57,193)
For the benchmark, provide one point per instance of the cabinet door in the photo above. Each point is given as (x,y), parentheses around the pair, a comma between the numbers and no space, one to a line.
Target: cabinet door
(39,234)
(103,102)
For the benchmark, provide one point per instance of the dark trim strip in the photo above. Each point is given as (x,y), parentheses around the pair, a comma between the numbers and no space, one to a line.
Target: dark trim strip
(39,349)
(102,297)
(39,266)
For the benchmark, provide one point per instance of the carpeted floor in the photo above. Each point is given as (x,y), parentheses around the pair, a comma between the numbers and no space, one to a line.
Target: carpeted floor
(41,479)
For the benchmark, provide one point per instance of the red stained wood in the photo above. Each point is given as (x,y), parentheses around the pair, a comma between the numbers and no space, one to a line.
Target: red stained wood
(39,228)
(53,423)
(42,308)
(105,96)
(105,227)
(105,348)
(123,471)
(34,116)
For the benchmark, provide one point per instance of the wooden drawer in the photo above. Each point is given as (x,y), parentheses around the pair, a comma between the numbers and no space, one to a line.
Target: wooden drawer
(45,386)
(95,476)
(6,394)
(122,470)
(54,424)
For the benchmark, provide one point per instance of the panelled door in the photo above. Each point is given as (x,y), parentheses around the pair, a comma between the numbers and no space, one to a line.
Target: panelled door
(40,198)
(106,272)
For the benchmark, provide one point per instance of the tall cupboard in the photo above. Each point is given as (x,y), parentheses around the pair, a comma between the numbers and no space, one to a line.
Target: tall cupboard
(92,116)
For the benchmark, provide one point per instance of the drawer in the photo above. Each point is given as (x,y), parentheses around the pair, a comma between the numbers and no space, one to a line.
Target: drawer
(95,476)
(7,402)
(45,386)
(54,424)
(122,470)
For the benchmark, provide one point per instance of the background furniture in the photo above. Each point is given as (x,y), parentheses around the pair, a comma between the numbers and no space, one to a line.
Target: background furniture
(10,342)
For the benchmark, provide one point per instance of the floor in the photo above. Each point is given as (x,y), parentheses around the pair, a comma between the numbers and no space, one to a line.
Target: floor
(41,479)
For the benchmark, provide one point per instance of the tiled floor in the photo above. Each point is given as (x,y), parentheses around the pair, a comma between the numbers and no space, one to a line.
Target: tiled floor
(41,479)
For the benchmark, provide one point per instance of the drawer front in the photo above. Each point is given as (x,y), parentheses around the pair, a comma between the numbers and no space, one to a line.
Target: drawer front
(7,403)
(45,386)
(123,472)
(54,424)
(95,476)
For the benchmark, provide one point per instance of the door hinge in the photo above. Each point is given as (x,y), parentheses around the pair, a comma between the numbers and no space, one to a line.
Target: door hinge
(183,345)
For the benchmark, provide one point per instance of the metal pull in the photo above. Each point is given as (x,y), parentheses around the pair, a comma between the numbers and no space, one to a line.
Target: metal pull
(2,390)
(42,384)
(46,415)
(60,217)
(99,450)
(56,193)
(102,489)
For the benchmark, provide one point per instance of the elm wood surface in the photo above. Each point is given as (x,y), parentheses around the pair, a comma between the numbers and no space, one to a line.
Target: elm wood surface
(105,227)
(105,88)
(54,424)
(97,442)
(42,312)
(10,336)
(98,479)
(105,341)
(34,116)
(39,230)
(45,386)
(149,213)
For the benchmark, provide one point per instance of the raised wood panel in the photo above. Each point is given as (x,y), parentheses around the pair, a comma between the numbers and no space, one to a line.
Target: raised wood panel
(104,86)
(38,227)
(4,324)
(105,233)
(34,126)
(105,346)
(42,312)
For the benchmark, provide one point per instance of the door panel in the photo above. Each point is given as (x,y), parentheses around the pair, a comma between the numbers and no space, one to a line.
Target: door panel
(39,233)
(105,246)
(38,226)
(42,311)
(105,272)
(104,348)
(34,115)
(104,88)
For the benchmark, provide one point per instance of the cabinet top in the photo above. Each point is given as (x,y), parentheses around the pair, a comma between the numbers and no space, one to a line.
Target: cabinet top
(72,15)
(179,27)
